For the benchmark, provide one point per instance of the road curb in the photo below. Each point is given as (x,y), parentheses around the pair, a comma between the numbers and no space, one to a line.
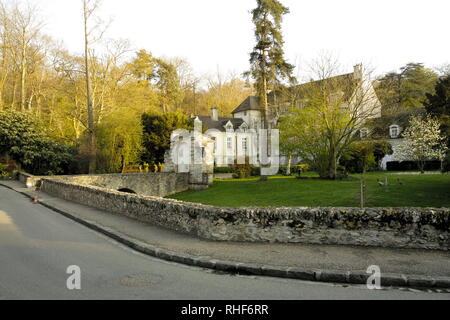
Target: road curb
(333,276)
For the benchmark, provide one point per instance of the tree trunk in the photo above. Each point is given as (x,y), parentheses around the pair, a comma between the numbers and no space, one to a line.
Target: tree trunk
(122,164)
(2,85)
(265,103)
(4,70)
(288,170)
(90,111)
(332,165)
(13,100)
(30,102)
(421,165)
(23,71)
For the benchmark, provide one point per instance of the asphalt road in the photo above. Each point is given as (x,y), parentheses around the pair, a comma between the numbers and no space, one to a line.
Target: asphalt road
(37,246)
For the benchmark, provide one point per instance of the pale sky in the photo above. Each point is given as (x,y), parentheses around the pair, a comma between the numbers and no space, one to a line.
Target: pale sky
(386,34)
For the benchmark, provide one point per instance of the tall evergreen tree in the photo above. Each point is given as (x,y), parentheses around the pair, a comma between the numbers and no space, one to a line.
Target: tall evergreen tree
(268,66)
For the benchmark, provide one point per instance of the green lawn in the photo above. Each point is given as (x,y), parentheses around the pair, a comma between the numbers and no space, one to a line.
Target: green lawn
(416,191)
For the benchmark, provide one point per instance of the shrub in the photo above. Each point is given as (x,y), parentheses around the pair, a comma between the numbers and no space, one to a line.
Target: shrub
(295,169)
(3,171)
(12,166)
(227,169)
(283,170)
(26,143)
(157,130)
(242,170)
(255,171)
(341,172)
(8,169)
(321,166)
(365,155)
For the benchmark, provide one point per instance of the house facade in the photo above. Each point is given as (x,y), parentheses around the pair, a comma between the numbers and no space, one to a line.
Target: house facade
(390,129)
(390,133)
(236,136)
(239,134)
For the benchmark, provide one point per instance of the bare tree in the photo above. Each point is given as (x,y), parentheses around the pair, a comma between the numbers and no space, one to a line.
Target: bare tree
(5,34)
(329,111)
(91,35)
(27,28)
(21,28)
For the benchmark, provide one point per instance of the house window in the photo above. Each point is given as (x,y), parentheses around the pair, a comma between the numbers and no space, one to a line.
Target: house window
(364,133)
(215,143)
(394,131)
(244,144)
(229,143)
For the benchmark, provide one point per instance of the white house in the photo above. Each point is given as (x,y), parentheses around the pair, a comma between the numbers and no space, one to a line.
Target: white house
(235,135)
(390,128)
(395,140)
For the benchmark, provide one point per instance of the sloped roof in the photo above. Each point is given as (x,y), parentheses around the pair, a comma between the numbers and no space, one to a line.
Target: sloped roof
(345,83)
(208,123)
(380,126)
(251,103)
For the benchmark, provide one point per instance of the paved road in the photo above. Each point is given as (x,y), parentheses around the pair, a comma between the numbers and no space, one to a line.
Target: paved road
(37,245)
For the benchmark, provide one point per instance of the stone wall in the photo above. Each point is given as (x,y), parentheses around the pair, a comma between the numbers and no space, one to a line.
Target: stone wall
(147,184)
(28,179)
(425,228)
(383,227)
(159,211)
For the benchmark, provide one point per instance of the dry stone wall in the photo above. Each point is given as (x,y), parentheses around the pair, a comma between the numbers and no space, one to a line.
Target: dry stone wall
(28,179)
(147,184)
(426,228)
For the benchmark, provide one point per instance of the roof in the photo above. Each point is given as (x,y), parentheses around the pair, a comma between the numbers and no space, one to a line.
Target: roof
(345,83)
(251,103)
(208,123)
(379,127)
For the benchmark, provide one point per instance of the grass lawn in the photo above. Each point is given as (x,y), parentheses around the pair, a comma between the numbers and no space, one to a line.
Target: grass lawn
(430,190)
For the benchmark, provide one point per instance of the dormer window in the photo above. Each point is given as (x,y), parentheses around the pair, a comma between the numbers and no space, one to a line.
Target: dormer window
(394,131)
(244,127)
(229,143)
(229,127)
(364,133)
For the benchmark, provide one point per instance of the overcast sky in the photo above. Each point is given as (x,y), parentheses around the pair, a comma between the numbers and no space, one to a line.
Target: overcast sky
(209,33)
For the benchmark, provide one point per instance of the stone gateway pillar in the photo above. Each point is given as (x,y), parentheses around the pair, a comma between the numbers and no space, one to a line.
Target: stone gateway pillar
(192,153)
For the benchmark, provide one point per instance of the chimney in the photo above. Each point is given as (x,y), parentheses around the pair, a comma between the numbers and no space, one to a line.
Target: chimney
(214,114)
(358,71)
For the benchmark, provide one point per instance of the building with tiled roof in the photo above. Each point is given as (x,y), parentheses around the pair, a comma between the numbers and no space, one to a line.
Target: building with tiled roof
(390,128)
(248,116)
